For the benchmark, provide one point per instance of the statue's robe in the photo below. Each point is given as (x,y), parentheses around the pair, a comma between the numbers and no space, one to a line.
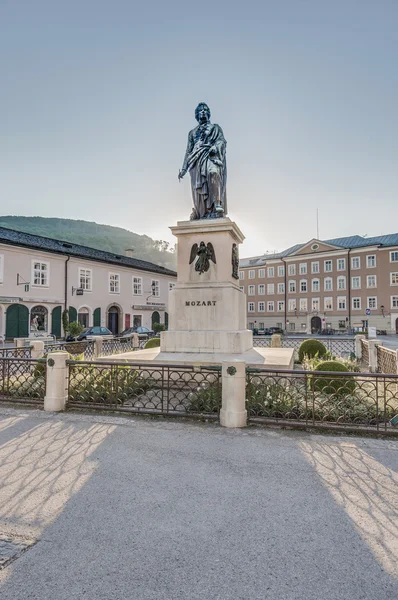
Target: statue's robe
(208,173)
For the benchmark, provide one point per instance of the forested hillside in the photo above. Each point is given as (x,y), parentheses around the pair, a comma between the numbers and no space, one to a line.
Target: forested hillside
(103,237)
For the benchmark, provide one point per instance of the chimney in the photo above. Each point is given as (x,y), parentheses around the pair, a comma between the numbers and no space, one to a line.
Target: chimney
(129,252)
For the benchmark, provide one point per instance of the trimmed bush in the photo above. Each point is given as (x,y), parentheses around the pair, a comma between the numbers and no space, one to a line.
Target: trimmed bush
(311,348)
(152,343)
(335,384)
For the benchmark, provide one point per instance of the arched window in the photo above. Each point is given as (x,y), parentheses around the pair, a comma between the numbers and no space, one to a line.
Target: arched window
(83,316)
(39,319)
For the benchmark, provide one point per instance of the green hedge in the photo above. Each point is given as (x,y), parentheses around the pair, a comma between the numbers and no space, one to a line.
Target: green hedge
(335,384)
(152,343)
(311,348)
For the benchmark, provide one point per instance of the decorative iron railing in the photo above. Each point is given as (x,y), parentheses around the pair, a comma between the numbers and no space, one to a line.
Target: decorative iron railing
(336,346)
(150,389)
(117,346)
(84,348)
(14,352)
(355,401)
(22,380)
(386,360)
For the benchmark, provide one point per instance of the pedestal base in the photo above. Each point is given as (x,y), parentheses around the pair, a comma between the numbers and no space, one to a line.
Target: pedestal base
(277,359)
(228,342)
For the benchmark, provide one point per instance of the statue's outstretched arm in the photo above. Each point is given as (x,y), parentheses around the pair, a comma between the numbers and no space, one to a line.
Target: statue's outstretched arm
(190,146)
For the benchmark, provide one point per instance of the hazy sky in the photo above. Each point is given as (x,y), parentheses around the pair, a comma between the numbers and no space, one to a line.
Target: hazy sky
(97,98)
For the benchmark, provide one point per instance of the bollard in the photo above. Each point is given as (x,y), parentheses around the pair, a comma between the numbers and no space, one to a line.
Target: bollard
(233,411)
(56,381)
(36,349)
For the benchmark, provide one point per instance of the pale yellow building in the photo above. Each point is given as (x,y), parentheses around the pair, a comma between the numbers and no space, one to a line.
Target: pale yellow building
(341,284)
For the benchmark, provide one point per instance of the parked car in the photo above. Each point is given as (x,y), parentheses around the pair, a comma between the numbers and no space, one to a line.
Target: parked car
(273,330)
(89,332)
(142,332)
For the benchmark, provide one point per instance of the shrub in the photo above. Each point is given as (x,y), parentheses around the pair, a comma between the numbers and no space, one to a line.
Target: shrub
(338,385)
(75,329)
(311,348)
(158,327)
(152,343)
(65,320)
(206,399)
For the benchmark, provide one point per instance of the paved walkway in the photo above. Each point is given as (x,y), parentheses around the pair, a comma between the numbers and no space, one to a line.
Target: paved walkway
(152,509)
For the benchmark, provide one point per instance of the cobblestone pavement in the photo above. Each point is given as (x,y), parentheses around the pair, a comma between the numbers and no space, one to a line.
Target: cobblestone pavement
(123,508)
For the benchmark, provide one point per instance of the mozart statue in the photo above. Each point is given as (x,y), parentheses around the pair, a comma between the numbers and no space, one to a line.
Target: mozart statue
(205,160)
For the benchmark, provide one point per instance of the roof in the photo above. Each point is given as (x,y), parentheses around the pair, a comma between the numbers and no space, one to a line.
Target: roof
(38,242)
(351,242)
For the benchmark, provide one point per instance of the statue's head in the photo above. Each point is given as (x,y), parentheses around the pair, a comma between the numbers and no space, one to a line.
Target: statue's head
(202,113)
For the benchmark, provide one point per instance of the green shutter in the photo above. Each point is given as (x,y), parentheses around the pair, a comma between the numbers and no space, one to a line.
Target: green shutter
(72,314)
(17,321)
(56,321)
(97,317)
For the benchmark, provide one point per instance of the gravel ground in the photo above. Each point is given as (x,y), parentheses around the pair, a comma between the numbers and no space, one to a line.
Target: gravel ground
(122,508)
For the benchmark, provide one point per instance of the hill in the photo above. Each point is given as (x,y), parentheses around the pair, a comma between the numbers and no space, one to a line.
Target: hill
(94,235)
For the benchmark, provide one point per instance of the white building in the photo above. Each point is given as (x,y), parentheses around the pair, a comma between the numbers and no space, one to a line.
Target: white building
(41,277)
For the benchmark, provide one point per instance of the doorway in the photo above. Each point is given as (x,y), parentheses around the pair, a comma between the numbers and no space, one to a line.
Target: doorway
(17,321)
(137,320)
(113,319)
(316,324)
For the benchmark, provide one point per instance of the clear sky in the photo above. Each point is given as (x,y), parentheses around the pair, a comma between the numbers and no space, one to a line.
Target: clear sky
(97,98)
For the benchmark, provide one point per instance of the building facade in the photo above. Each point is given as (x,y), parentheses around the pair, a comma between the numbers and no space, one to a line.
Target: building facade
(41,277)
(342,284)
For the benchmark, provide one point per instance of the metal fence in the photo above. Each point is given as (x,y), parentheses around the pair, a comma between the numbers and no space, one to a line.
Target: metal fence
(386,360)
(73,348)
(22,380)
(156,389)
(347,401)
(14,352)
(336,346)
(117,346)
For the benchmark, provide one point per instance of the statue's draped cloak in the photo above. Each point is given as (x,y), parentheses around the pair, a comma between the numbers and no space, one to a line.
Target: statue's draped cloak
(201,165)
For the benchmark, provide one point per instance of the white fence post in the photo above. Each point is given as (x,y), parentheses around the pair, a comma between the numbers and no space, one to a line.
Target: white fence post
(97,347)
(276,340)
(233,412)
(56,381)
(373,355)
(19,342)
(136,340)
(358,345)
(37,349)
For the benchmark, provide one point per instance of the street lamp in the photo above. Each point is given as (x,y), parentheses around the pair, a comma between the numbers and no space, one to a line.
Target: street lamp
(153,290)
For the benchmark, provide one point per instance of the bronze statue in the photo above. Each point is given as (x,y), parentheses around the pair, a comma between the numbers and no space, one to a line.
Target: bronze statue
(205,254)
(206,162)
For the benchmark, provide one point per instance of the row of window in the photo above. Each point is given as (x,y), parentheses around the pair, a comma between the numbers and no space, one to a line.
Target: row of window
(86,282)
(356,303)
(371,282)
(315,266)
(41,277)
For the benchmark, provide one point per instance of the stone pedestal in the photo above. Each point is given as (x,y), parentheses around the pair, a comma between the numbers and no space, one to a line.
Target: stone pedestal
(207,311)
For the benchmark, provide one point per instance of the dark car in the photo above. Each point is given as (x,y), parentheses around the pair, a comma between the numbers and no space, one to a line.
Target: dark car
(273,330)
(89,332)
(142,332)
